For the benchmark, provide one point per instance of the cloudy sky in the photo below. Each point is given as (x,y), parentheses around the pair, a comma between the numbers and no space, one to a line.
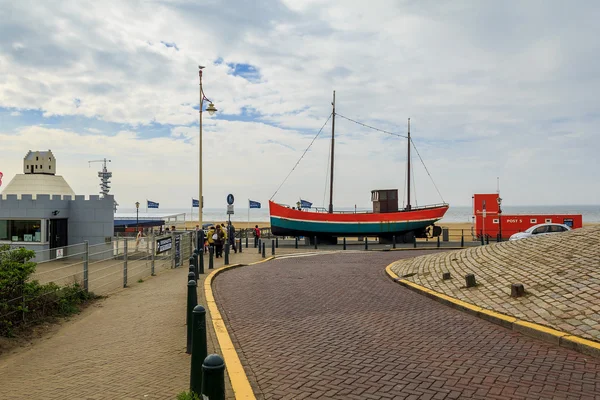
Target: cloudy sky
(493,89)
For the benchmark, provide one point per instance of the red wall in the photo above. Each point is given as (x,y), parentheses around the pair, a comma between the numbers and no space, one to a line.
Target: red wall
(490,225)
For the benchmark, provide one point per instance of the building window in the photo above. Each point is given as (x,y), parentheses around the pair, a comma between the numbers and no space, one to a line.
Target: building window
(49,158)
(548,220)
(36,167)
(21,230)
(533,221)
(37,159)
(49,166)
(495,220)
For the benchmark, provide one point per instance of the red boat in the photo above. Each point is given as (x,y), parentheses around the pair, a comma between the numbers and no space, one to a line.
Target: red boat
(384,222)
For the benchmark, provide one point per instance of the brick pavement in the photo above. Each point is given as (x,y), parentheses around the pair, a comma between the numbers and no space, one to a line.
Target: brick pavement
(130,345)
(561,275)
(335,326)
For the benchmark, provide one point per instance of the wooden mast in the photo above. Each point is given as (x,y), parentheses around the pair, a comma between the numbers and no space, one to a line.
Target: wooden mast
(332,154)
(408,207)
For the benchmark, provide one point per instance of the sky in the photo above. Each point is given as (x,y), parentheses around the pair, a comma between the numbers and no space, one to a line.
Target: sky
(504,90)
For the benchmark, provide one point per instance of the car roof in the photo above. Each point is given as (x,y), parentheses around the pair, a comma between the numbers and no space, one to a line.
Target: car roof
(547,224)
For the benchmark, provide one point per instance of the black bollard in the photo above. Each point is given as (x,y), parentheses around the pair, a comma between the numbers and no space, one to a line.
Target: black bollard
(482,239)
(470,280)
(438,241)
(273,247)
(241,245)
(276,242)
(517,290)
(415,242)
(446,276)
(366,243)
(192,276)
(211,253)
(487,239)
(226,262)
(462,238)
(246,239)
(200,264)
(259,246)
(394,242)
(213,377)
(199,348)
(264,254)
(315,242)
(296,242)
(192,301)
(344,244)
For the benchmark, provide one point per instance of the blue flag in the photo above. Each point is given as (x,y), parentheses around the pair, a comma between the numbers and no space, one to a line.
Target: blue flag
(253,204)
(305,204)
(195,203)
(152,204)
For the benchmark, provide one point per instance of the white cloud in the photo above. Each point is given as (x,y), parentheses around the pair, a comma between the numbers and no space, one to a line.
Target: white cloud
(493,89)
(15,113)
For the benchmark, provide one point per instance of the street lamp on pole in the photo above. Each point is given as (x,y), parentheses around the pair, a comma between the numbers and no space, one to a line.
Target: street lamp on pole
(211,110)
(499,219)
(137,216)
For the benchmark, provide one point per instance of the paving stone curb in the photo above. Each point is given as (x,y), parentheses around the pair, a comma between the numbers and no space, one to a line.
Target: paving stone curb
(559,338)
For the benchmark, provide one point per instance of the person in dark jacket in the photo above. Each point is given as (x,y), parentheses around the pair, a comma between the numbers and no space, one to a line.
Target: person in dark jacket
(219,239)
(231,236)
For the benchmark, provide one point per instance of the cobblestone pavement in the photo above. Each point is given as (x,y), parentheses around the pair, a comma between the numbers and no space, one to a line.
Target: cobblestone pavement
(130,345)
(561,275)
(336,327)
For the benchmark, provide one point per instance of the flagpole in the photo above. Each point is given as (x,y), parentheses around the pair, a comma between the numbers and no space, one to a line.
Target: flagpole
(248,226)
(146,207)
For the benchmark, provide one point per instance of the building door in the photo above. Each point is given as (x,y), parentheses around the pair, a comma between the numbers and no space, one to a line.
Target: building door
(32,169)
(58,236)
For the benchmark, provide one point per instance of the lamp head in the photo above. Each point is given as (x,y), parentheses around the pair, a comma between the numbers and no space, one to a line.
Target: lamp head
(211,109)
(137,204)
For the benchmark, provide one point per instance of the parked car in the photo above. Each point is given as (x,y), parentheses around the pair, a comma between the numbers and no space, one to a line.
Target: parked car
(539,230)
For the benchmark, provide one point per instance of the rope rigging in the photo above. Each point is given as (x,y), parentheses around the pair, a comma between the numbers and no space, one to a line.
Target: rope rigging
(302,156)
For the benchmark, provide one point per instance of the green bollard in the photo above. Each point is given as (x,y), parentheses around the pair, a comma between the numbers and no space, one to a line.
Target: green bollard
(226,262)
(213,377)
(192,301)
(394,242)
(211,253)
(199,348)
(272,247)
(263,250)
(366,243)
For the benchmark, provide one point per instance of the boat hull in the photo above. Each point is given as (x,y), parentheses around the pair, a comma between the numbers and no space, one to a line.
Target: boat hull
(289,222)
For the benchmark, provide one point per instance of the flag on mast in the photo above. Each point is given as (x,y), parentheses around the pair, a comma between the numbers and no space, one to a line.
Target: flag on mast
(253,204)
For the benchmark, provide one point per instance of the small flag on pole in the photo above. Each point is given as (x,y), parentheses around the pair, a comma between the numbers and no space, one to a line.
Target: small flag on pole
(253,204)
(152,204)
(305,204)
(195,203)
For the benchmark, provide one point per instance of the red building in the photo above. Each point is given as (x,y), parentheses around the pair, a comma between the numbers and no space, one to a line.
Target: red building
(490,220)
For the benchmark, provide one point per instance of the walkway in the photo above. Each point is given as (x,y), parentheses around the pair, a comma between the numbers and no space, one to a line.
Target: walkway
(334,326)
(130,345)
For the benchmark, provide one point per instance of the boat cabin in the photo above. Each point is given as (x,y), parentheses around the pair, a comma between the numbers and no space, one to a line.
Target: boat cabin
(384,200)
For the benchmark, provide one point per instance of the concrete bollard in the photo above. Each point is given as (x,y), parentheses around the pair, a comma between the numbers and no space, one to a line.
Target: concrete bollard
(517,290)
(264,254)
(213,377)
(226,260)
(394,242)
(344,244)
(276,242)
(296,242)
(446,276)
(273,245)
(211,253)
(366,243)
(192,301)
(470,280)
(199,348)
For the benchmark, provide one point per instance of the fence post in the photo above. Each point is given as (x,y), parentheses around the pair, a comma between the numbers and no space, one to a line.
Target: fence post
(199,348)
(273,245)
(153,254)
(192,301)
(125,263)
(86,260)
(172,249)
(226,262)
(213,377)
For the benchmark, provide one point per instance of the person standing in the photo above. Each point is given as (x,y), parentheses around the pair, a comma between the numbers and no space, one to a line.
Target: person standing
(210,238)
(219,238)
(231,236)
(256,235)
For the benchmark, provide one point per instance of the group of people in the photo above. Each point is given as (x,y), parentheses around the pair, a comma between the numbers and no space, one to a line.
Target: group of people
(218,236)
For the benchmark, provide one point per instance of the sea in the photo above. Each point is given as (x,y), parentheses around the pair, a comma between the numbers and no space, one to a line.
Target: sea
(590,213)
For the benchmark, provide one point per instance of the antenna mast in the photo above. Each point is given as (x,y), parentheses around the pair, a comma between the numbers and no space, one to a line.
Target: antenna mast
(104,176)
